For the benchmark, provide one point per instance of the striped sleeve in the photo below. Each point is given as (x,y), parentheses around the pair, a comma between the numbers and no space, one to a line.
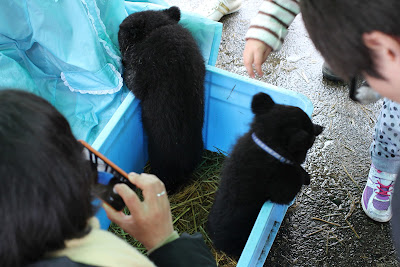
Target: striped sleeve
(271,23)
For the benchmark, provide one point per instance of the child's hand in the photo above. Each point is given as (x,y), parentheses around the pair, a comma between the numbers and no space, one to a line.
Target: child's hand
(150,221)
(255,53)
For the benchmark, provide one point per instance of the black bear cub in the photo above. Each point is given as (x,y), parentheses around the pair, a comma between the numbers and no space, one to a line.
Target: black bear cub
(164,68)
(264,165)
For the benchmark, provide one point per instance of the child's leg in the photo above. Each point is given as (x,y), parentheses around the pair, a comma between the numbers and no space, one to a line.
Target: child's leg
(385,156)
(385,148)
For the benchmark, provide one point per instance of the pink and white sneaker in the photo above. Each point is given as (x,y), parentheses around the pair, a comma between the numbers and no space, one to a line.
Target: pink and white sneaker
(377,196)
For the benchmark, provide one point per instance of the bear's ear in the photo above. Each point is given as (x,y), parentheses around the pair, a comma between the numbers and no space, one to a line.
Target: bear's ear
(318,129)
(174,13)
(261,103)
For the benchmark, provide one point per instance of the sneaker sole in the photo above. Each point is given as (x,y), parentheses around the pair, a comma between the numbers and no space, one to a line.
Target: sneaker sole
(329,75)
(220,15)
(332,78)
(234,10)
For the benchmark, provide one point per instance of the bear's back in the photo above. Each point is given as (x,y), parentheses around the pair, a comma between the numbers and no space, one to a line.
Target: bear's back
(165,70)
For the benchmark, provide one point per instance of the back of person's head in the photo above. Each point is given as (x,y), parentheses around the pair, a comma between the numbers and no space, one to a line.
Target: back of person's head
(336,28)
(45,183)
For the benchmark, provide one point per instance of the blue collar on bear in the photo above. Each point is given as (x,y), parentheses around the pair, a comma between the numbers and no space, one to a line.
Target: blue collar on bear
(270,150)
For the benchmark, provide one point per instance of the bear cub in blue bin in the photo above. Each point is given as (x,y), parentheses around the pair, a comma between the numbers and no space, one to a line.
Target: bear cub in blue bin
(164,68)
(263,165)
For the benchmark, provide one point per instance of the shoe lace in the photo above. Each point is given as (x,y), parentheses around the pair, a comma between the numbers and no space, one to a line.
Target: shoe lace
(384,190)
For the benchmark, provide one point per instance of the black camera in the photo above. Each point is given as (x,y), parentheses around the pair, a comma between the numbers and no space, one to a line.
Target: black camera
(108,175)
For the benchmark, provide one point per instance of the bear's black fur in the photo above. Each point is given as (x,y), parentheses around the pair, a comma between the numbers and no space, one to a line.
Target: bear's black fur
(250,176)
(164,68)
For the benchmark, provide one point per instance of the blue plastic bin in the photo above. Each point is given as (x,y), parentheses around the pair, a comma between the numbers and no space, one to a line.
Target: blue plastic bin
(227,116)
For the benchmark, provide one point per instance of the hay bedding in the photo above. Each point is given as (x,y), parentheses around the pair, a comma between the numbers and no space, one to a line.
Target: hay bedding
(191,205)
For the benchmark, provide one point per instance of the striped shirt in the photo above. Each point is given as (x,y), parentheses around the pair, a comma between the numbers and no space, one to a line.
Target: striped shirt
(271,23)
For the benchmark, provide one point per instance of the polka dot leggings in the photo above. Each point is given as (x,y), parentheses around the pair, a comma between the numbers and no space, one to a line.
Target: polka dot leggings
(385,147)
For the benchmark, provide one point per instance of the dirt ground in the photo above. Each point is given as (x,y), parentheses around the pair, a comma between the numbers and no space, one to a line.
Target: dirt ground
(326,226)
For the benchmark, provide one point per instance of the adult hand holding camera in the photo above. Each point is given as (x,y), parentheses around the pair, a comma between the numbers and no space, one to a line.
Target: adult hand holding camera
(150,221)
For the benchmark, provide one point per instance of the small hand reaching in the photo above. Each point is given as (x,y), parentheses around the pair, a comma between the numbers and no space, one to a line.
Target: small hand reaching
(255,53)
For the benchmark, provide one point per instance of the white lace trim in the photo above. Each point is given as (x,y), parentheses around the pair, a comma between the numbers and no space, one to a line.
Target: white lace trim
(101,22)
(104,43)
(99,92)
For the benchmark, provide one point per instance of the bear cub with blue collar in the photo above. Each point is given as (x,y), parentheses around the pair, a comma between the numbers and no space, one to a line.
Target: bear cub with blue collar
(164,68)
(263,165)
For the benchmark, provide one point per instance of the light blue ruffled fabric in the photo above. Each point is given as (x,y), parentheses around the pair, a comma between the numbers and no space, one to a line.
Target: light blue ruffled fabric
(67,52)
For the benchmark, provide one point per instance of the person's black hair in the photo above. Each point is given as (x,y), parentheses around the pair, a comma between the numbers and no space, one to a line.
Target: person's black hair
(336,28)
(45,183)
